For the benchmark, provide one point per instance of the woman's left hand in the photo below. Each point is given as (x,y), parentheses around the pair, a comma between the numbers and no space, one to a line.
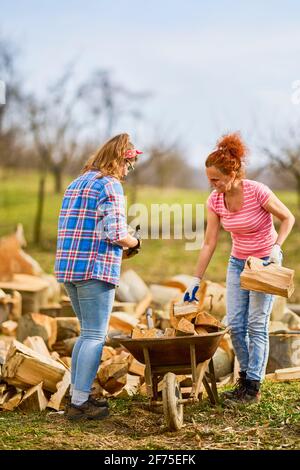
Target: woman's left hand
(276,255)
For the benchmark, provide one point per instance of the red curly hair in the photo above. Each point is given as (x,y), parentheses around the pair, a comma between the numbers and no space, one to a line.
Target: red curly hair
(229,155)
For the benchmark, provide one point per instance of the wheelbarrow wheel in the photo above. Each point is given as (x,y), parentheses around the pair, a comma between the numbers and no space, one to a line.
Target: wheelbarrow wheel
(171,393)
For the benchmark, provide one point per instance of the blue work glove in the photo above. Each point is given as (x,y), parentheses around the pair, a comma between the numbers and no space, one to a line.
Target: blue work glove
(191,291)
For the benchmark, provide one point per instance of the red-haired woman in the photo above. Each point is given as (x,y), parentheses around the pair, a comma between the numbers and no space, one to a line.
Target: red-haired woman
(244,208)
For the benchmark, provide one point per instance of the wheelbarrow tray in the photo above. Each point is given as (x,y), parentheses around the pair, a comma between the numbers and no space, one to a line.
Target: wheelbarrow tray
(174,351)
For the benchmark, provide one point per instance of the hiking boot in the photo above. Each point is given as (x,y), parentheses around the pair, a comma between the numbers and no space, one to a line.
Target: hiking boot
(86,411)
(100,402)
(250,394)
(239,388)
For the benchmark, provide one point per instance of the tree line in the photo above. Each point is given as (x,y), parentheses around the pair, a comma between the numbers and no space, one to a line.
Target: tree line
(55,130)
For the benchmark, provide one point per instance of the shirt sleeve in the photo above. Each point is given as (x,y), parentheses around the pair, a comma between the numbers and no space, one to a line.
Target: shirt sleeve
(210,203)
(111,209)
(263,193)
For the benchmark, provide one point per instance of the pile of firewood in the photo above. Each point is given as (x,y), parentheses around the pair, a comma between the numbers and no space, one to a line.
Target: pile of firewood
(38,330)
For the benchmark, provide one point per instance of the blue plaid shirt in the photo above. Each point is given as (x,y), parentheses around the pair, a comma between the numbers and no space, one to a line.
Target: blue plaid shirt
(91,219)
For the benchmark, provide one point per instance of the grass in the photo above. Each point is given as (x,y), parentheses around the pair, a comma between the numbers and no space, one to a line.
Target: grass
(158,258)
(272,424)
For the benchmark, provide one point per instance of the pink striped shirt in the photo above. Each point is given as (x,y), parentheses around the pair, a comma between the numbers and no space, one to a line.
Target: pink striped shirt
(252,229)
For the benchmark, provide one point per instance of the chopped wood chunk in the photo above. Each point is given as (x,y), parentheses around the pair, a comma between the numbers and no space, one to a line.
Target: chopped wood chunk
(62,388)
(123,321)
(107,353)
(183,309)
(112,374)
(67,327)
(136,368)
(291,373)
(37,344)
(170,332)
(35,324)
(185,327)
(205,319)
(9,327)
(13,402)
(200,330)
(34,399)
(65,347)
(130,388)
(212,298)
(162,295)
(151,333)
(24,367)
(272,279)
(13,258)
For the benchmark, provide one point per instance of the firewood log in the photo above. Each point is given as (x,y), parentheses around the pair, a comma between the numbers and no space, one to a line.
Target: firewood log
(185,327)
(123,321)
(112,374)
(62,389)
(24,367)
(212,299)
(37,344)
(131,288)
(65,347)
(272,279)
(13,259)
(67,327)
(34,399)
(35,324)
(9,328)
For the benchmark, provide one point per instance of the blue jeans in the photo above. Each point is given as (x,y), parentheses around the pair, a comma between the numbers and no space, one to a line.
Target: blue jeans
(92,301)
(248,314)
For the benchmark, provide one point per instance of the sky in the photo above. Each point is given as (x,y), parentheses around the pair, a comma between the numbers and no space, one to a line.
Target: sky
(211,67)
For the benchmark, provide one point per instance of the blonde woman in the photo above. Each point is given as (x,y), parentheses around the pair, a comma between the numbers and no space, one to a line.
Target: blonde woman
(244,208)
(92,233)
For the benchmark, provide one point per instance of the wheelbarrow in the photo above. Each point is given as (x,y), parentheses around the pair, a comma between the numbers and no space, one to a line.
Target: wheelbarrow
(165,357)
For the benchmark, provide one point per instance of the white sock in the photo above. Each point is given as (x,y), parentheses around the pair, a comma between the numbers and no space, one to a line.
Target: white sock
(78,397)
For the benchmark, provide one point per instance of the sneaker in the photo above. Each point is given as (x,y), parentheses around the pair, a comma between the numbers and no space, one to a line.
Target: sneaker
(86,411)
(239,388)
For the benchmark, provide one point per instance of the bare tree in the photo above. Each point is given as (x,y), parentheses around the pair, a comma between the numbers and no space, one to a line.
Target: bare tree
(10,122)
(108,102)
(285,157)
(54,127)
(54,130)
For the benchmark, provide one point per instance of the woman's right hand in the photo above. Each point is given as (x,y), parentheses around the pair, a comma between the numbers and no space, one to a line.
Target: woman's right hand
(191,291)
(130,252)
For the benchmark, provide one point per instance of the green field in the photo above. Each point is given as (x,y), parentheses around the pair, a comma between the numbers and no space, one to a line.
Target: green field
(158,259)
(272,424)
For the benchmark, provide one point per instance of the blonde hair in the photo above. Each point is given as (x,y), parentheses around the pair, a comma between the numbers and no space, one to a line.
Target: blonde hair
(109,158)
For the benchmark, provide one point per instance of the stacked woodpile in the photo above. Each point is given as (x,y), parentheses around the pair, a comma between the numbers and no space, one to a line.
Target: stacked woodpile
(38,330)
